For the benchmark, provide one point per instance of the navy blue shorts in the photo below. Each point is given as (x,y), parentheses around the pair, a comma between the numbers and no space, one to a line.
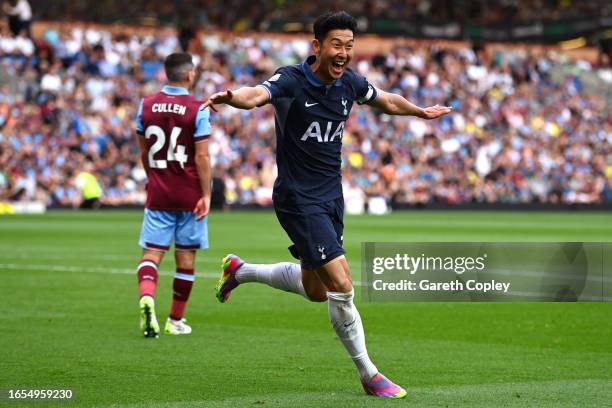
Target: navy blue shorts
(316,231)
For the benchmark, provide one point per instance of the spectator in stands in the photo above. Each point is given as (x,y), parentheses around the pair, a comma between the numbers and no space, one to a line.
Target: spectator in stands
(19,15)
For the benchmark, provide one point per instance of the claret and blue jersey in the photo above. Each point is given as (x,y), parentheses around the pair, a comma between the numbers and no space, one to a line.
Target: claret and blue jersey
(172,122)
(310,120)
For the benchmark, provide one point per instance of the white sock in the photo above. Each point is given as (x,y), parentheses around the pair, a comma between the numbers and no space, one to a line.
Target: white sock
(347,323)
(284,276)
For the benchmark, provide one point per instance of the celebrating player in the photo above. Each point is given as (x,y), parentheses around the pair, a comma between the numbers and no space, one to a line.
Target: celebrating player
(312,102)
(174,129)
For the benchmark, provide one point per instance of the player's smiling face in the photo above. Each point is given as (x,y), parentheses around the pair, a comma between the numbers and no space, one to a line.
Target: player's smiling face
(334,54)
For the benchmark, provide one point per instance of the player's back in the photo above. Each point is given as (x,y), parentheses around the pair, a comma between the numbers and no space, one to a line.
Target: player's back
(172,122)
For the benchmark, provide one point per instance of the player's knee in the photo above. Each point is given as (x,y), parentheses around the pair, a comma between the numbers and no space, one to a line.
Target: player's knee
(185,259)
(151,255)
(341,286)
(344,285)
(341,282)
(339,276)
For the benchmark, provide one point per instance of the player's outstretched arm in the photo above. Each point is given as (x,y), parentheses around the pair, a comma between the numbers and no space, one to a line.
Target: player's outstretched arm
(393,104)
(248,97)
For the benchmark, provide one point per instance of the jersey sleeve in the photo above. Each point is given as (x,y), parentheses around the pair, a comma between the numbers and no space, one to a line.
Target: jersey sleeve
(139,127)
(365,91)
(279,85)
(202,125)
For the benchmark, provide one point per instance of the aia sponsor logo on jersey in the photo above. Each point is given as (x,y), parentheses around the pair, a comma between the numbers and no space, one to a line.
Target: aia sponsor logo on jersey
(315,131)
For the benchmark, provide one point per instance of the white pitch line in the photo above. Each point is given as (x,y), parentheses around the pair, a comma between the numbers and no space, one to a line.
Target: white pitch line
(53,256)
(79,269)
(114,271)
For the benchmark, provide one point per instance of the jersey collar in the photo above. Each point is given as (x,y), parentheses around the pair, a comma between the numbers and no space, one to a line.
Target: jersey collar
(175,90)
(312,78)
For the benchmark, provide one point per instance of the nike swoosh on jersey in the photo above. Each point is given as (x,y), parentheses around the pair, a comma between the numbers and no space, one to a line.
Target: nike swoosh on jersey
(308,105)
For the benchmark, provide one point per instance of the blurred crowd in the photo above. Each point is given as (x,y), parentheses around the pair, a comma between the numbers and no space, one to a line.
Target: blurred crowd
(258,14)
(524,128)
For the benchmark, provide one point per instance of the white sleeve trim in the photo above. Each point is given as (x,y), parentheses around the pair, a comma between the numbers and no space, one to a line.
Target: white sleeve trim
(369,96)
(266,88)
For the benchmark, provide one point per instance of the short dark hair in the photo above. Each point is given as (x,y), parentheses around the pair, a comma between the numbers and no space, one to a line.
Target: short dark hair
(177,66)
(333,20)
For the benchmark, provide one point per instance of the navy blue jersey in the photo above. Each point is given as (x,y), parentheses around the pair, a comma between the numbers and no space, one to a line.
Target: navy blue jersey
(309,119)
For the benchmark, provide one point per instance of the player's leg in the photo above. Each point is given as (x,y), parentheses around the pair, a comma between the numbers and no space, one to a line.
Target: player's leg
(190,235)
(147,271)
(346,320)
(347,324)
(181,289)
(155,239)
(287,276)
(147,284)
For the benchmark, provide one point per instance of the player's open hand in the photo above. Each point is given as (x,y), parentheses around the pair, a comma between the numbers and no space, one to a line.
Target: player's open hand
(218,98)
(202,207)
(436,111)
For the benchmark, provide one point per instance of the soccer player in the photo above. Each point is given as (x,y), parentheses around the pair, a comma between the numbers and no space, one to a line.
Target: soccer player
(173,129)
(312,102)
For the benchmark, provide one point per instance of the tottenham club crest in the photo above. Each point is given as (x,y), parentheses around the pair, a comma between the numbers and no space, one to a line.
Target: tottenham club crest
(321,249)
(344,101)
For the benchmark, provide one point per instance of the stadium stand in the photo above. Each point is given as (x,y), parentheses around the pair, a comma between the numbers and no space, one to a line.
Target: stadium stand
(526,128)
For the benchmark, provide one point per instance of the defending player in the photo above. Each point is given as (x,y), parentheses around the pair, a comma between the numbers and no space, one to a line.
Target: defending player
(173,129)
(312,102)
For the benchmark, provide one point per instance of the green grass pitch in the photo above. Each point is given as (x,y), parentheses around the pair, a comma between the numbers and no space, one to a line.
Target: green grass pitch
(69,319)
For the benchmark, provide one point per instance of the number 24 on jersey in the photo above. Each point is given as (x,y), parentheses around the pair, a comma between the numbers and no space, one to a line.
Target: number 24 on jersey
(174,152)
